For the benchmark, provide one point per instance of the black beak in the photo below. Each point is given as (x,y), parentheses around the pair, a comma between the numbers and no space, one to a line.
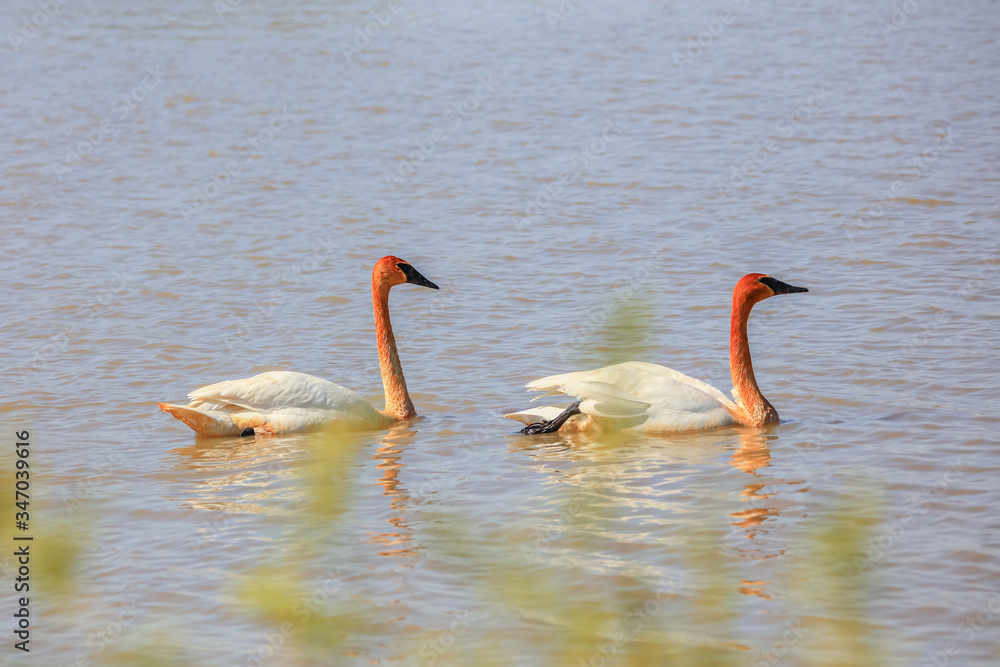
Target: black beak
(413,276)
(779,287)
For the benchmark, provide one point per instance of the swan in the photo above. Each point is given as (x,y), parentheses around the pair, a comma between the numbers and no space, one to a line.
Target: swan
(654,399)
(289,402)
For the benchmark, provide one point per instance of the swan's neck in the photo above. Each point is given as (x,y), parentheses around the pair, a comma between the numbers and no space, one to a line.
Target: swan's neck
(757,410)
(397,399)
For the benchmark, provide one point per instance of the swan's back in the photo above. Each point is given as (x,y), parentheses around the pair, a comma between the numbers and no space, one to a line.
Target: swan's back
(274,390)
(284,401)
(637,394)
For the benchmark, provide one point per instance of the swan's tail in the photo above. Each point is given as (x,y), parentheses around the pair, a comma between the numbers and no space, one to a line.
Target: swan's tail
(200,422)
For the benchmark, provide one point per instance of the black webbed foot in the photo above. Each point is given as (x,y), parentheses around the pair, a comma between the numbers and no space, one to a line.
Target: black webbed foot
(552,425)
(539,428)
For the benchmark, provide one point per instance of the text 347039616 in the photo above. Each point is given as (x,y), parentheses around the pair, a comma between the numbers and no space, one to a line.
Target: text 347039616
(22,546)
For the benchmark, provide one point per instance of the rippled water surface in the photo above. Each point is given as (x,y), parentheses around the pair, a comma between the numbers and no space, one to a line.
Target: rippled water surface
(196,191)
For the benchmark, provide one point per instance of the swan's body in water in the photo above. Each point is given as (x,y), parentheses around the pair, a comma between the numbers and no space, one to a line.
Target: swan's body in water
(286,402)
(656,399)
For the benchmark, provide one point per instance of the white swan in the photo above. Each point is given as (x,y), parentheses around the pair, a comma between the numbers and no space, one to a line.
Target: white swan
(286,402)
(656,399)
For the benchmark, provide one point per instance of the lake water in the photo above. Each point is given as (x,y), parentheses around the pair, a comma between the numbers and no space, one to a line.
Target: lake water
(196,191)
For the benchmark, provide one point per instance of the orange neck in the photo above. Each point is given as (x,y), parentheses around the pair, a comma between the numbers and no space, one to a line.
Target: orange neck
(397,399)
(757,410)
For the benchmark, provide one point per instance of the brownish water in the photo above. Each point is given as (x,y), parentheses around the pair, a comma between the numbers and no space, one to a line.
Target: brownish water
(809,142)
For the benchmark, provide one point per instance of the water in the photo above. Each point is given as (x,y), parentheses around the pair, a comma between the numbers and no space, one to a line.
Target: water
(837,147)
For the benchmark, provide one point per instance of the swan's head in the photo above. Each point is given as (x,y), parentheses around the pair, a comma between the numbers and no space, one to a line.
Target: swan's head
(392,271)
(758,286)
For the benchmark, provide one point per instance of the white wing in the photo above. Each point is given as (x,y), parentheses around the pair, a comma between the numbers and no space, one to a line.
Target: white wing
(284,401)
(636,394)
(279,389)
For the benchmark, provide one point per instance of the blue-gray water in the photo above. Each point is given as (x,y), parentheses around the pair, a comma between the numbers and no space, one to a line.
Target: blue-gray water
(549,172)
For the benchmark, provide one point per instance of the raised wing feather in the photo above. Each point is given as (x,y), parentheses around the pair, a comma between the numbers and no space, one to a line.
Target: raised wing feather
(536,414)
(606,400)
(659,398)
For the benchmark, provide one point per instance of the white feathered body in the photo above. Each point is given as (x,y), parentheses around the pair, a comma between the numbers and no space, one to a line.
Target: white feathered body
(275,402)
(635,395)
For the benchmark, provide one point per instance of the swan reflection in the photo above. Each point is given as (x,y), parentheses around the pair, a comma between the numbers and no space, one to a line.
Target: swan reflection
(399,542)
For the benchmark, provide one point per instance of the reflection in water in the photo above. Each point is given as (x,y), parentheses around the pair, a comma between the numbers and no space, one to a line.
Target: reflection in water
(673,467)
(237,475)
(763,503)
(388,456)
(247,475)
(752,455)
(755,588)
